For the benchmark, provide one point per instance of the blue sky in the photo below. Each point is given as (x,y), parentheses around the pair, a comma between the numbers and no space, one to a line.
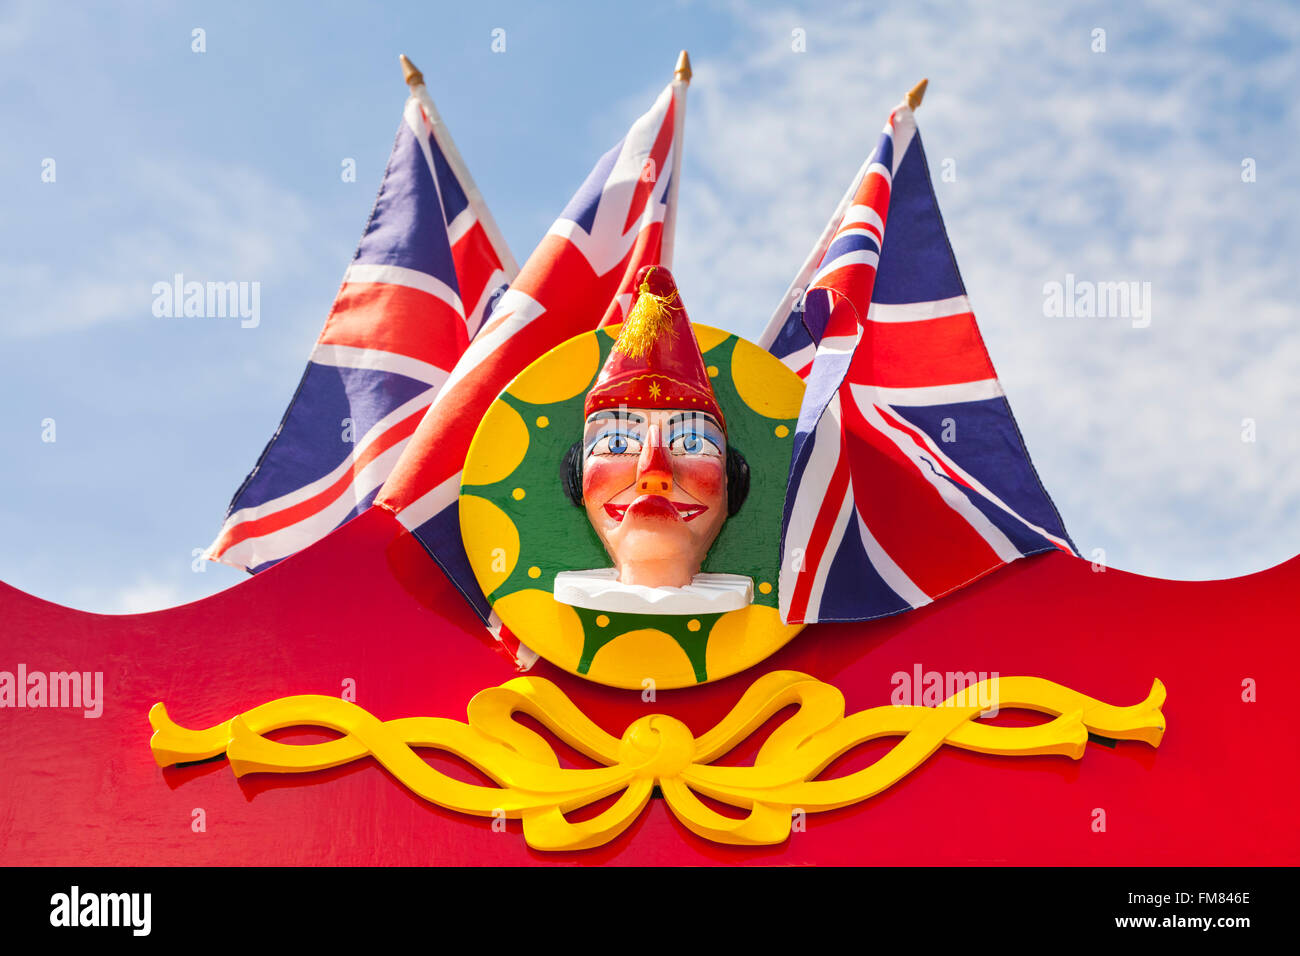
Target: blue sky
(1116,165)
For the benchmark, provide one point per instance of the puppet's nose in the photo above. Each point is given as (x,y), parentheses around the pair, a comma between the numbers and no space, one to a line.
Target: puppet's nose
(654,472)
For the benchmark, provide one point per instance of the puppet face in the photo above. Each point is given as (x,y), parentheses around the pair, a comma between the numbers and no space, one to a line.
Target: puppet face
(654,484)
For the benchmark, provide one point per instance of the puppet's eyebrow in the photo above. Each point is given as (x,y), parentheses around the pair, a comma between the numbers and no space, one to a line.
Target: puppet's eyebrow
(693,417)
(618,414)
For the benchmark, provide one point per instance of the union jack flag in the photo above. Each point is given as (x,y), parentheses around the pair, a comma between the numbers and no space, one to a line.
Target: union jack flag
(909,478)
(424,275)
(579,277)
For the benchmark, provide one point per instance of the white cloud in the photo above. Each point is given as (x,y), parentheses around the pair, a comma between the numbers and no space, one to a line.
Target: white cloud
(205,220)
(145,591)
(146,594)
(16,24)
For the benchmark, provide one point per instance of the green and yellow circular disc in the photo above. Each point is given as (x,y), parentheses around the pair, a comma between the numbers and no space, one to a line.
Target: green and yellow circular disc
(520,529)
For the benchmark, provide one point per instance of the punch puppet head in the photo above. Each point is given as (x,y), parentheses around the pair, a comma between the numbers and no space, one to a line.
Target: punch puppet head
(653,469)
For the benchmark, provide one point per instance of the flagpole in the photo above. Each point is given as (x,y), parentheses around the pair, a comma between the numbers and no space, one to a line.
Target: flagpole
(912,100)
(681,81)
(415,80)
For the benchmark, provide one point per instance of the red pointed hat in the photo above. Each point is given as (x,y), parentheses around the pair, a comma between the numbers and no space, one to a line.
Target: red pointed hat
(656,362)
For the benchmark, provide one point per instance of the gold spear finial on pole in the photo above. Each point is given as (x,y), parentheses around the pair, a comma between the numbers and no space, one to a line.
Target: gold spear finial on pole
(410,74)
(916,94)
(680,86)
(683,68)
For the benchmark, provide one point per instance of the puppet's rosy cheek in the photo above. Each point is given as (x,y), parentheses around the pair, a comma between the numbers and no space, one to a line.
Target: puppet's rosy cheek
(603,478)
(702,478)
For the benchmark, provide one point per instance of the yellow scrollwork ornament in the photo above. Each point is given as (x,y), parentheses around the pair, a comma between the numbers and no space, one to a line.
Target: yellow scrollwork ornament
(658,750)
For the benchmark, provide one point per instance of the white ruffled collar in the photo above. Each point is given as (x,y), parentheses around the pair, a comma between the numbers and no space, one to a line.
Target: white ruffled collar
(600,590)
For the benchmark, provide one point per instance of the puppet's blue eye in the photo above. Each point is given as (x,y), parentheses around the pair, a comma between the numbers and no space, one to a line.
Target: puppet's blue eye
(615,443)
(693,443)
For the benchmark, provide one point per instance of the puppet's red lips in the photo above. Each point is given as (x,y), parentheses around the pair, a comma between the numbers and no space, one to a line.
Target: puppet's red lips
(689,512)
(657,506)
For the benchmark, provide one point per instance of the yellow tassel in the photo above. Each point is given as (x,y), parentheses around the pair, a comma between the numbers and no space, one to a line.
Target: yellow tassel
(650,318)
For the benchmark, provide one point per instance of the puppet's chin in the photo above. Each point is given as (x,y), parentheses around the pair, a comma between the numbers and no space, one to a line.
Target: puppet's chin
(653,545)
